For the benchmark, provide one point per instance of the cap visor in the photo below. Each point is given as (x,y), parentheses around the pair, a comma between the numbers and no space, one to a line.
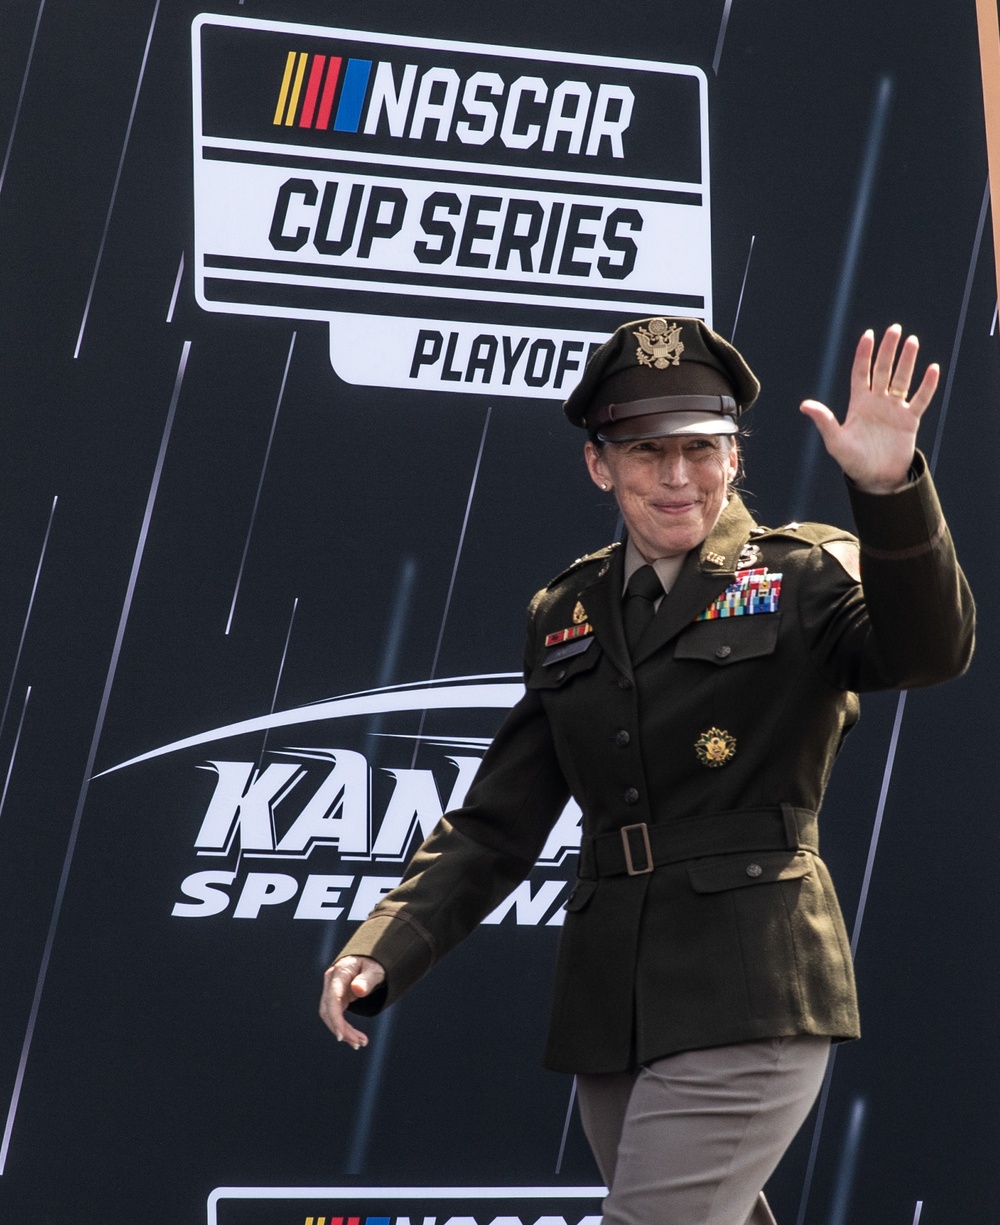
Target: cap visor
(667,425)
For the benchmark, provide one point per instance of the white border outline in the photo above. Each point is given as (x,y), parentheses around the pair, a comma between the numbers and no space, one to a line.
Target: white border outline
(514,1193)
(461,47)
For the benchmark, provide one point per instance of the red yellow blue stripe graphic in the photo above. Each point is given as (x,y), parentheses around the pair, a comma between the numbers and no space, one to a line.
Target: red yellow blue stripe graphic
(309,86)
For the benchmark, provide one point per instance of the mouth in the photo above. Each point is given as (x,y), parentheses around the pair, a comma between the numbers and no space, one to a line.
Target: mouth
(675,509)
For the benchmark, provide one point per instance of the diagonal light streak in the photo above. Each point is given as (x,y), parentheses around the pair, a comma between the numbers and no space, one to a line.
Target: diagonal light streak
(27,617)
(454,572)
(177,289)
(845,284)
(20,96)
(91,757)
(949,382)
(118,177)
(565,1130)
(378,1057)
(260,482)
(13,752)
(739,304)
(716,60)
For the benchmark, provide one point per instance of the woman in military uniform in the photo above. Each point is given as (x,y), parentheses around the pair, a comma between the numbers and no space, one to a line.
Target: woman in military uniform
(691,690)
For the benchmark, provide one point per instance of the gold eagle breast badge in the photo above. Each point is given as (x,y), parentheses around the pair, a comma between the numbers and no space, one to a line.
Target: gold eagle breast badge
(715,747)
(579,614)
(660,344)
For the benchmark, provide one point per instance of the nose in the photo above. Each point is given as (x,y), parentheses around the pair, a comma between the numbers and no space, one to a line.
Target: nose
(674,469)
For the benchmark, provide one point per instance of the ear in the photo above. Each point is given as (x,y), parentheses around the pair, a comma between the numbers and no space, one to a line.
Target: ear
(597,466)
(733,460)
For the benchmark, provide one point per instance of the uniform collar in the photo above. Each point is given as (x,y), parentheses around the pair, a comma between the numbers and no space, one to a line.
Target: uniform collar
(720,549)
(667,568)
(705,573)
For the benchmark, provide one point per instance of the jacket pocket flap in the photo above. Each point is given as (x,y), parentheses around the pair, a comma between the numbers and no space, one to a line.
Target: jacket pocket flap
(552,674)
(583,891)
(749,868)
(555,655)
(729,639)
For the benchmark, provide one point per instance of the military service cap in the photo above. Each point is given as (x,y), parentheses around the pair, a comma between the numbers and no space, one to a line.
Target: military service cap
(660,377)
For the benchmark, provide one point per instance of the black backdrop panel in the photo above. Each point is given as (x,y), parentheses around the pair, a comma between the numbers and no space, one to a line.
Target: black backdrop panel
(265,577)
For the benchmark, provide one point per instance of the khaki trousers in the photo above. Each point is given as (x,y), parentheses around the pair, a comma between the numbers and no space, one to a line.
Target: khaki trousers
(692,1138)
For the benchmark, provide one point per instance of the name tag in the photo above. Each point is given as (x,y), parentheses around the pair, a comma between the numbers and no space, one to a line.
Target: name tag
(554,654)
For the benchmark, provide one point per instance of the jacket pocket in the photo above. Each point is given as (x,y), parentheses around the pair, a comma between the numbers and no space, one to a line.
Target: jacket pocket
(751,868)
(729,639)
(583,891)
(553,674)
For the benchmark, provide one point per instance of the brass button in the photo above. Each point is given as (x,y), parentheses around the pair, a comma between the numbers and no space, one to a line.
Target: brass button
(754,869)
(631,795)
(723,652)
(622,738)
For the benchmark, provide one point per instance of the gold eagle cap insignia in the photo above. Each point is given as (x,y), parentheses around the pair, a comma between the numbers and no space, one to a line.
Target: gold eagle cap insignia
(660,344)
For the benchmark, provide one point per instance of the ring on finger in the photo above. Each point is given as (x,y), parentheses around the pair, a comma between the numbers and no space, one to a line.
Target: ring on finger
(898,392)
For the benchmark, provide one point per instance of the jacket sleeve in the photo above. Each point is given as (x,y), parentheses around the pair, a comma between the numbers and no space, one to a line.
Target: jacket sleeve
(911,619)
(473,858)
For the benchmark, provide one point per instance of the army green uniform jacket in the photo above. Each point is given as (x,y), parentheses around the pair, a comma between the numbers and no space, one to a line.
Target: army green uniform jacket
(711,920)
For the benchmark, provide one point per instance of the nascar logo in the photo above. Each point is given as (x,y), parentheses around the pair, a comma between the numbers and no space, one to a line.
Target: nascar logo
(309,89)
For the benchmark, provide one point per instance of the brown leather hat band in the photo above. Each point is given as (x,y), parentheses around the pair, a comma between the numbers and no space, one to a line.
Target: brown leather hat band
(725,406)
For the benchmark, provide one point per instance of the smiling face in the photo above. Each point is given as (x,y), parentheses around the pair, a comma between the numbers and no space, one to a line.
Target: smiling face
(671,491)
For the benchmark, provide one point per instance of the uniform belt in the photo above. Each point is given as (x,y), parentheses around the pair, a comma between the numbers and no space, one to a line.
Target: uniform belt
(637,849)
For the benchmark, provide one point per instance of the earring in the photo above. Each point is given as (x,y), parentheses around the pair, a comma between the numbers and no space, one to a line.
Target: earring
(603,486)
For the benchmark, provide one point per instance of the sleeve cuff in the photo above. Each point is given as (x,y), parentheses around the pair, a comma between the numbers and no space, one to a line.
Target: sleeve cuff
(399,947)
(895,523)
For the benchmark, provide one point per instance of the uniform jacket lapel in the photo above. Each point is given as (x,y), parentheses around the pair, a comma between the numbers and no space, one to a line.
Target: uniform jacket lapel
(706,573)
(603,601)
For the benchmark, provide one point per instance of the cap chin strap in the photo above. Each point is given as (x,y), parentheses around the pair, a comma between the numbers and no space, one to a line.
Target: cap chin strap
(725,406)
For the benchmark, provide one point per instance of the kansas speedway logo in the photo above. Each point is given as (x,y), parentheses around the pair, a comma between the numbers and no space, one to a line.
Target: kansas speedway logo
(320,827)
(466,217)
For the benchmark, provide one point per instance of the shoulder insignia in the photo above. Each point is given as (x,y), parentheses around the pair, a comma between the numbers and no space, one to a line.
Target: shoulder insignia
(808,533)
(600,555)
(848,554)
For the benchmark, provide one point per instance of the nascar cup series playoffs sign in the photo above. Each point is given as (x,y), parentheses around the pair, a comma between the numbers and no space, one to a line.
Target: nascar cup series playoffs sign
(466,217)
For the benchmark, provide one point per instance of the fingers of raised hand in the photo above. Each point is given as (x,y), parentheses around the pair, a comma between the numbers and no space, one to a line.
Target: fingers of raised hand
(890,376)
(861,370)
(900,378)
(885,360)
(925,392)
(822,418)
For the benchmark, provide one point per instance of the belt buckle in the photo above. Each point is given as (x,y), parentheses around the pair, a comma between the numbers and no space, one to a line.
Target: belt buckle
(630,867)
